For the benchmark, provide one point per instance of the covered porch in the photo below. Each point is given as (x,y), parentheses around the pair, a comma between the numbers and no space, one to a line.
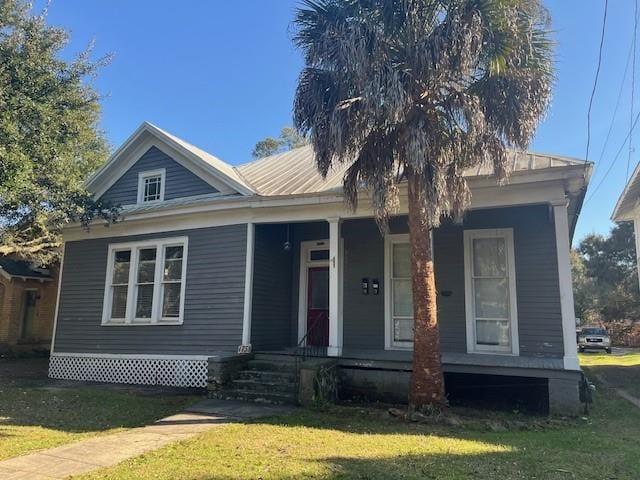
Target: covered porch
(340,284)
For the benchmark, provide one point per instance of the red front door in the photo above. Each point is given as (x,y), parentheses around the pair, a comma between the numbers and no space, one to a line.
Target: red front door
(318,306)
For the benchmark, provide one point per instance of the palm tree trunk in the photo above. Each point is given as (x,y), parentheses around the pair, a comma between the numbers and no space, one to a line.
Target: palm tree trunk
(427,381)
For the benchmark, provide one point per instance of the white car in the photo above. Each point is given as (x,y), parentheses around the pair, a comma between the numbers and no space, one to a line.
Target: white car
(594,338)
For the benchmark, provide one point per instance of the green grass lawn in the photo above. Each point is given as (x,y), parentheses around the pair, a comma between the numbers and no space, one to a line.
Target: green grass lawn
(631,359)
(35,414)
(353,443)
(618,370)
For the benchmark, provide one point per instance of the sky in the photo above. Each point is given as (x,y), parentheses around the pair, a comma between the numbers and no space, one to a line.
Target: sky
(222,76)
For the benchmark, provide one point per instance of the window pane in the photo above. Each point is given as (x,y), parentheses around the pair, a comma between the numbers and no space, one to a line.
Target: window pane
(493,332)
(315,255)
(489,257)
(491,297)
(121,267)
(152,188)
(171,300)
(402,298)
(147,254)
(173,263)
(401,260)
(173,252)
(144,301)
(172,269)
(319,288)
(402,330)
(119,302)
(147,265)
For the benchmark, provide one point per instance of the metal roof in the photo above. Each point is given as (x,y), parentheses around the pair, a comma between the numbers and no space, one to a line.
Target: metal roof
(213,161)
(295,172)
(629,199)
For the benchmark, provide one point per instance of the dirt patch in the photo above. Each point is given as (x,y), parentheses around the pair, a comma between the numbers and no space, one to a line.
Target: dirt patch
(618,376)
(24,371)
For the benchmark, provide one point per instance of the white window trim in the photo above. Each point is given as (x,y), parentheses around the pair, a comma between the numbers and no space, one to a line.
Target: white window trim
(472,347)
(389,242)
(135,247)
(151,173)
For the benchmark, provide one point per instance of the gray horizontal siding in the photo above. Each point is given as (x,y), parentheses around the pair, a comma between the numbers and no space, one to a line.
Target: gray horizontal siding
(213,300)
(179,182)
(449,270)
(537,289)
(272,279)
(363,315)
(538,297)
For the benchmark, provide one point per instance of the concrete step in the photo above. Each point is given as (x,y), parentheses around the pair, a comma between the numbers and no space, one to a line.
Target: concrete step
(277,357)
(271,366)
(270,376)
(260,385)
(256,396)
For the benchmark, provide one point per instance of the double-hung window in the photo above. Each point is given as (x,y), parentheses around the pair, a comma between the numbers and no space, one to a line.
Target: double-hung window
(151,186)
(145,282)
(490,291)
(398,293)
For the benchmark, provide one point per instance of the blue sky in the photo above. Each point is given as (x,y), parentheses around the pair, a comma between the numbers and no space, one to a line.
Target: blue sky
(222,75)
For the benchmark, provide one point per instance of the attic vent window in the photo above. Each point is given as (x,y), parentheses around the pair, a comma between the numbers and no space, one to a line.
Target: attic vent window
(151,186)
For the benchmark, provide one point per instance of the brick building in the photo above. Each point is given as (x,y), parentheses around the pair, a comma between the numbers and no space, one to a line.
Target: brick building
(27,306)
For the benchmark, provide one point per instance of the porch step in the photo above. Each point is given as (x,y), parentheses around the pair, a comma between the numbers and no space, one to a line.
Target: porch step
(260,385)
(272,365)
(258,396)
(277,357)
(269,376)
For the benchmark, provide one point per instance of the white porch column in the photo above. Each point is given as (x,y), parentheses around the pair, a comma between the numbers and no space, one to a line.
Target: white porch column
(563,248)
(248,291)
(335,262)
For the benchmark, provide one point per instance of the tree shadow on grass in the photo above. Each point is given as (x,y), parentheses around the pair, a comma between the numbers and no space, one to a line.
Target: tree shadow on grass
(83,409)
(28,398)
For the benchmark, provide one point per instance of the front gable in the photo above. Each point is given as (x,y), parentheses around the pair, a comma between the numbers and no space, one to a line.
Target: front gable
(179,182)
(187,170)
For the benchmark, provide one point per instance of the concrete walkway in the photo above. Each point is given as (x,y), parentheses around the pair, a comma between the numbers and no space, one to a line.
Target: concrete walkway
(94,453)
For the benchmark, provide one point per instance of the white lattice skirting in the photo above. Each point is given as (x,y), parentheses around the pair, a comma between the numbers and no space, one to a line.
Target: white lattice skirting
(176,372)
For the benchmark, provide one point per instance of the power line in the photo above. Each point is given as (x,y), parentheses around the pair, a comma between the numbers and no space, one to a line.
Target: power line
(615,110)
(633,126)
(595,82)
(633,83)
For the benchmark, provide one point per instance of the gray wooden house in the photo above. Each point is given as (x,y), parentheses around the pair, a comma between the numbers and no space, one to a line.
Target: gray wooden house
(210,260)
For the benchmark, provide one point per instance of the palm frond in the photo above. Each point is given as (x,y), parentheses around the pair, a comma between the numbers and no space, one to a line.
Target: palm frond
(437,86)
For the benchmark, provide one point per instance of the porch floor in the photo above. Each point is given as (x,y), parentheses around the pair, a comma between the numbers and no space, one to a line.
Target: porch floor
(451,361)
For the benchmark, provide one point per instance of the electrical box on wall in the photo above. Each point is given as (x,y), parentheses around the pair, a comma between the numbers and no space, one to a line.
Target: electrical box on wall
(365,286)
(375,286)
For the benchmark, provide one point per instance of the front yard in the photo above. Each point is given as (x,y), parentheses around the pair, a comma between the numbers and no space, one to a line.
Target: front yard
(36,413)
(340,443)
(351,443)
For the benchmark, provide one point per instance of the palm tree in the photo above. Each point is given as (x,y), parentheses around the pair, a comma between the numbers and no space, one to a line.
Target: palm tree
(417,91)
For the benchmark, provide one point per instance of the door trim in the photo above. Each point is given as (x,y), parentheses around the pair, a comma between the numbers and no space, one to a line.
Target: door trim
(305,263)
(23,324)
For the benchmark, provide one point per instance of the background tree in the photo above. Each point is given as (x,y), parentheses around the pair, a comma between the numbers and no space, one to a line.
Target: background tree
(289,139)
(420,90)
(49,140)
(605,277)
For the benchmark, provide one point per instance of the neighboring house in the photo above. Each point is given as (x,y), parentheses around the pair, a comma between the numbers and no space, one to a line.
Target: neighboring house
(210,259)
(27,306)
(628,208)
